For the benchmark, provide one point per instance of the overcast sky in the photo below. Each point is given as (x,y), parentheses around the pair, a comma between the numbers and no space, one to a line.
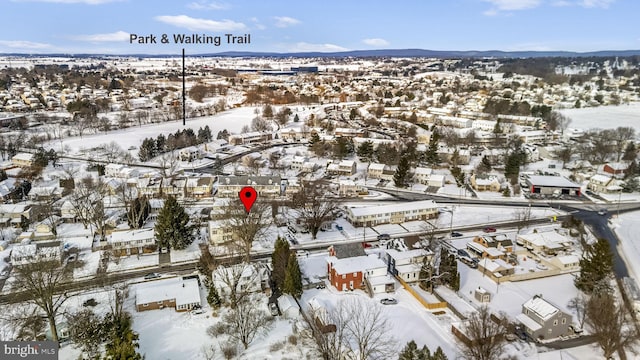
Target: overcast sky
(104,26)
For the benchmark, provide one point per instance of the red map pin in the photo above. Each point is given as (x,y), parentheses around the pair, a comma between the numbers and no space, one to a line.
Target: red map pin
(248,196)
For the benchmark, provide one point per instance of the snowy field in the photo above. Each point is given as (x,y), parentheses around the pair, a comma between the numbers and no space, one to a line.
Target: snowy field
(605,117)
(233,120)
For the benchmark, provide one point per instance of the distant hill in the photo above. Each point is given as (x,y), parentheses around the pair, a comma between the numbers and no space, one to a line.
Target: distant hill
(376,53)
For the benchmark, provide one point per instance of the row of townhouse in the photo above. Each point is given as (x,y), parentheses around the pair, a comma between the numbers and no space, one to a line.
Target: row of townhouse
(392,213)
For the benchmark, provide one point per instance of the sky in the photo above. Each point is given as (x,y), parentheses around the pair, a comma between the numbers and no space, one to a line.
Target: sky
(106,26)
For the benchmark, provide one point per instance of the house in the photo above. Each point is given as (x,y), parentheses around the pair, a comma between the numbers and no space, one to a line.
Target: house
(548,242)
(189,154)
(291,134)
(598,183)
(297,162)
(28,252)
(566,262)
(375,170)
(265,186)
(131,242)
(23,160)
(391,214)
(549,185)
(246,278)
(489,183)
(342,251)
(344,167)
(218,233)
(543,320)
(349,188)
(497,267)
(15,215)
(250,138)
(178,293)
(407,264)
(351,272)
(615,169)
(498,241)
(199,186)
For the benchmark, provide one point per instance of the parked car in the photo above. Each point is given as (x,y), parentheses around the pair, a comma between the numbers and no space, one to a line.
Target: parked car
(320,286)
(197,311)
(388,301)
(151,276)
(489,229)
(302,253)
(602,212)
(456,234)
(576,329)
(384,237)
(273,309)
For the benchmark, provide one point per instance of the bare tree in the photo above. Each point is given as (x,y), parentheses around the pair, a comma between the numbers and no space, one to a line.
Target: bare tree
(486,336)
(246,322)
(610,325)
(259,124)
(621,136)
(169,163)
(579,305)
(353,329)
(44,281)
(112,152)
(230,277)
(253,163)
(522,217)
(246,228)
(27,323)
(208,351)
(312,205)
(87,200)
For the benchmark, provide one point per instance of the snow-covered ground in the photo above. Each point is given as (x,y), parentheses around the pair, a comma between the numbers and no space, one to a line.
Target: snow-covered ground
(233,120)
(626,227)
(604,117)
(133,262)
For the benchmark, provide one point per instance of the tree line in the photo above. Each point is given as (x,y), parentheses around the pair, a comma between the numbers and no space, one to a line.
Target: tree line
(151,147)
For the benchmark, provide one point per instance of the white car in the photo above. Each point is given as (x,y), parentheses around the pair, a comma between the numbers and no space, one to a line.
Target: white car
(197,311)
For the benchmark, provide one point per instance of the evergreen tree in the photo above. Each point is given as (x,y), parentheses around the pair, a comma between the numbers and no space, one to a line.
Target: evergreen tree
(413,118)
(293,278)
(172,227)
(457,174)
(439,354)
(409,352)
(400,177)
(123,341)
(213,298)
(147,149)
(342,147)
(485,165)
(315,138)
(279,261)
(431,156)
(595,266)
(365,150)
(296,118)
(630,153)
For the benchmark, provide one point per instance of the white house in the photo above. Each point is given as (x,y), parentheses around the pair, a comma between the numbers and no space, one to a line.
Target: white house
(131,241)
(27,253)
(246,278)
(392,213)
(407,264)
(181,294)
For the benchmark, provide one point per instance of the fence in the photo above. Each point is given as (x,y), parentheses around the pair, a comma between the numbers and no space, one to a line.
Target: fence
(425,303)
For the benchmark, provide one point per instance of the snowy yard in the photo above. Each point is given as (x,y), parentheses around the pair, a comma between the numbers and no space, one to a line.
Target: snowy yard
(604,117)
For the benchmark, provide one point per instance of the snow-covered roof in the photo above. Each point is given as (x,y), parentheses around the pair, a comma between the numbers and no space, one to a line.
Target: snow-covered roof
(355,264)
(403,255)
(528,322)
(423,171)
(131,235)
(568,259)
(392,208)
(551,181)
(23,156)
(376,166)
(601,178)
(184,291)
(541,307)
(549,239)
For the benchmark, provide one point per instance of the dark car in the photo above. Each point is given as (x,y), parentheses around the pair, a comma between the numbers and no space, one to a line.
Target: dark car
(456,234)
(151,276)
(489,229)
(384,237)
